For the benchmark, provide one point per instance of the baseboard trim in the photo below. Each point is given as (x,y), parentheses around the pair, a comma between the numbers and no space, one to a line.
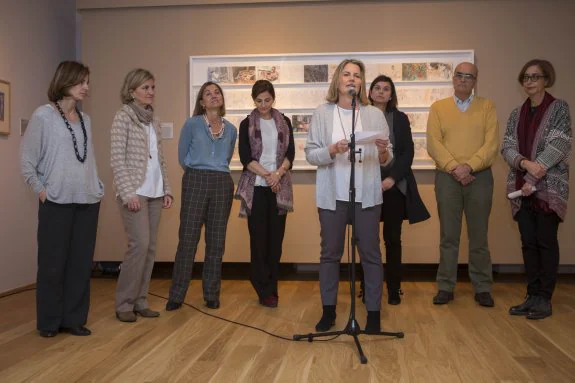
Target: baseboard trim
(17,290)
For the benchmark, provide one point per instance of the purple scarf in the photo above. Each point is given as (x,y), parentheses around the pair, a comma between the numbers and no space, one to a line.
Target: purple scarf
(245,191)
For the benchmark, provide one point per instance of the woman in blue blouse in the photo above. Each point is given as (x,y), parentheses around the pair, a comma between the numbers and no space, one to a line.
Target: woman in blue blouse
(205,150)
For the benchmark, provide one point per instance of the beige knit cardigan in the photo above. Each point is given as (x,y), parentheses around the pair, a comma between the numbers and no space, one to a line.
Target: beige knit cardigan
(130,153)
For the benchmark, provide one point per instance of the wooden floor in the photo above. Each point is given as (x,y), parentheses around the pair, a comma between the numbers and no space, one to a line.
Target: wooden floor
(460,342)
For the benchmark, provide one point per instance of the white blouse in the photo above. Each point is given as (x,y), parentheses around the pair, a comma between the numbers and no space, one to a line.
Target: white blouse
(153,186)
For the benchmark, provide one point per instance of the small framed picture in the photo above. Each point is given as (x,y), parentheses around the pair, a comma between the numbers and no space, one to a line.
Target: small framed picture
(4,107)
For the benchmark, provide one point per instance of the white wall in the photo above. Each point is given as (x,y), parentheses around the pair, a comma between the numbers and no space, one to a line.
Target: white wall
(34,37)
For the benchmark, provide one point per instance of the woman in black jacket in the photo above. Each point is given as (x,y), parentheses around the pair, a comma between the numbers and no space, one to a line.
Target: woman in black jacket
(401,198)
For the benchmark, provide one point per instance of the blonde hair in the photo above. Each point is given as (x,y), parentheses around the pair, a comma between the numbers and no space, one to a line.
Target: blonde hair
(134,79)
(333,93)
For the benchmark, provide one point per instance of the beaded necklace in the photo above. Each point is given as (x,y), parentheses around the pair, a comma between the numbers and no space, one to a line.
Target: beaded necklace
(81,159)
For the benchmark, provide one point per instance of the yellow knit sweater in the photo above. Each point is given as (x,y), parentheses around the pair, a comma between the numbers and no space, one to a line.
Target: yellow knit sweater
(470,137)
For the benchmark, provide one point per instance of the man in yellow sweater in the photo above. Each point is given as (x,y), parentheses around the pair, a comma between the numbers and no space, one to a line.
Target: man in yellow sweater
(462,139)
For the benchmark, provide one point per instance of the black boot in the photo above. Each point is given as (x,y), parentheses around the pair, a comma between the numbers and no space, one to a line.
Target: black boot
(373,325)
(394,296)
(523,308)
(327,319)
(541,309)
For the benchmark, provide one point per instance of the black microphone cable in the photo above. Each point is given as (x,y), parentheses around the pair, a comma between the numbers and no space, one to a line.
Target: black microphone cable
(242,324)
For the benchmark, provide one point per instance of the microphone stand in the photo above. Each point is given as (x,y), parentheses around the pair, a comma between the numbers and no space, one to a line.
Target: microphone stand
(352,328)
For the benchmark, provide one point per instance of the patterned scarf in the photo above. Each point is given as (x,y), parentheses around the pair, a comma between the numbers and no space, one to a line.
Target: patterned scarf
(246,184)
(526,133)
(145,114)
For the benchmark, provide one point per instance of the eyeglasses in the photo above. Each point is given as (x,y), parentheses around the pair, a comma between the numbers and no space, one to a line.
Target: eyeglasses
(533,77)
(464,76)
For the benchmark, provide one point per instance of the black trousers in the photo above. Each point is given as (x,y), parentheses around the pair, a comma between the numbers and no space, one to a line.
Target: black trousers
(66,242)
(267,230)
(393,213)
(540,249)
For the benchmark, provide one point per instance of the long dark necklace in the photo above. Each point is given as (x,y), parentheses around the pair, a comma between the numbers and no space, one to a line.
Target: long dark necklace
(81,159)
(341,121)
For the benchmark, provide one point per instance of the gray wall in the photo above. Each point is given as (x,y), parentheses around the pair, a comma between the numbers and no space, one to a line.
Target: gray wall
(34,37)
(504,34)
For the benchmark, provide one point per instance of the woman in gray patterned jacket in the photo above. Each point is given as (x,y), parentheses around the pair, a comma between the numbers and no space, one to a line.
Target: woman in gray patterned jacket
(536,146)
(142,190)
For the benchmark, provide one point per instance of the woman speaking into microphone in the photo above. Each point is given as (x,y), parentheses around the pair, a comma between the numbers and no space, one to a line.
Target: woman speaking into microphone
(328,148)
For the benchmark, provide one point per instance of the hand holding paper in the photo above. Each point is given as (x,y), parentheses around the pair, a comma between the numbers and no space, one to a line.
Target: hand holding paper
(518,193)
(362,138)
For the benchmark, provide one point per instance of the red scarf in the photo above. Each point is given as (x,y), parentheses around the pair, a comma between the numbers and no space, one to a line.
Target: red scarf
(526,131)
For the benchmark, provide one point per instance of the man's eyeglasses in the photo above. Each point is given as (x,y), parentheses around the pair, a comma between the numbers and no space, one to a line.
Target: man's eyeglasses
(464,76)
(533,77)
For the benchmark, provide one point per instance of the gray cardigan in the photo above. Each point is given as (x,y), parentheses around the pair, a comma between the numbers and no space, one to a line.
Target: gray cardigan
(551,149)
(49,163)
(317,153)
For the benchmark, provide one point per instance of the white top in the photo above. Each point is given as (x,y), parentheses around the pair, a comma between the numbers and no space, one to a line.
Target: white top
(153,186)
(341,161)
(269,148)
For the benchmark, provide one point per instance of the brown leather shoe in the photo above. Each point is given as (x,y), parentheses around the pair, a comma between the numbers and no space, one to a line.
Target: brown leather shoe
(147,313)
(484,299)
(443,297)
(126,316)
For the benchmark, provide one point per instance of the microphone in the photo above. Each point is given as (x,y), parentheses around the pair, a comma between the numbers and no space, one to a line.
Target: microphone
(351,92)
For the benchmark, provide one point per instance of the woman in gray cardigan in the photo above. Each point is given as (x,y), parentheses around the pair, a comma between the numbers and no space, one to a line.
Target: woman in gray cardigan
(57,161)
(327,148)
(536,147)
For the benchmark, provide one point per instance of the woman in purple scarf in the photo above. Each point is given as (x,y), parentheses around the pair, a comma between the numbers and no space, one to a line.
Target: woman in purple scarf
(536,146)
(266,147)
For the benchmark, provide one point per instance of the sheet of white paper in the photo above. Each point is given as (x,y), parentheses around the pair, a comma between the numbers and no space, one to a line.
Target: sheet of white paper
(362,138)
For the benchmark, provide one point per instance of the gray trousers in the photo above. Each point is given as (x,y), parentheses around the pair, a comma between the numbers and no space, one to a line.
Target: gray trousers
(136,270)
(453,200)
(333,226)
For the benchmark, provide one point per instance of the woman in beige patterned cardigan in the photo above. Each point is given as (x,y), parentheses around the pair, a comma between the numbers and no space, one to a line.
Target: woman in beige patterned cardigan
(142,190)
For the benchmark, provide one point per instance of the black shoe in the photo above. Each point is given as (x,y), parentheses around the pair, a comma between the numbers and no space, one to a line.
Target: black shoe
(373,325)
(215,304)
(171,306)
(76,330)
(48,333)
(523,308)
(394,296)
(443,297)
(327,319)
(541,309)
(484,299)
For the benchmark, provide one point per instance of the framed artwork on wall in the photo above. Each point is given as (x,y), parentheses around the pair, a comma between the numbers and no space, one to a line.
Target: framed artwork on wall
(301,82)
(4,107)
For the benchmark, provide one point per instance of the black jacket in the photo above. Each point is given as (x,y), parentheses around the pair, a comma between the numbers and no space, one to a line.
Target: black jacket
(401,168)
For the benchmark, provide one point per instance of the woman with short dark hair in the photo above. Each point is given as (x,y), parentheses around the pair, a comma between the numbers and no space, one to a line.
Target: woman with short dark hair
(265,188)
(536,146)
(401,198)
(58,162)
